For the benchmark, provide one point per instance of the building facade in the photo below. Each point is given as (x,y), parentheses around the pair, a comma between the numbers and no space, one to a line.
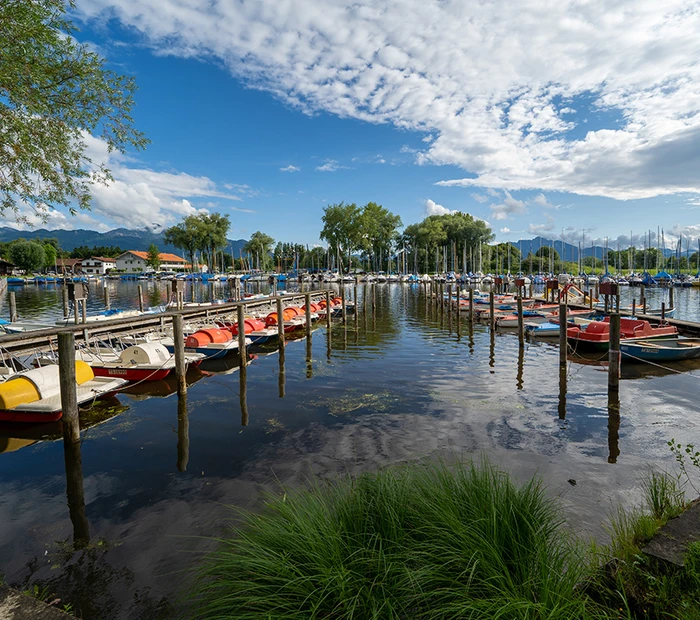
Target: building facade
(98,265)
(134,261)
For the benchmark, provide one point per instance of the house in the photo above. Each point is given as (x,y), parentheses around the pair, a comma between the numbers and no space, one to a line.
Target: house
(68,265)
(6,267)
(134,261)
(98,265)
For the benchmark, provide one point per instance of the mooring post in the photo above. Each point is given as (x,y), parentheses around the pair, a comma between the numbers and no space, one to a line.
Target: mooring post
(644,305)
(243,355)
(562,392)
(307,314)
(280,322)
(342,301)
(76,308)
(183,433)
(180,362)
(328,310)
(617,303)
(66,310)
(590,302)
(364,306)
(243,393)
(634,307)
(68,386)
(521,323)
(492,309)
(614,353)
(449,305)
(663,311)
(83,306)
(374,304)
(281,375)
(355,304)
(140,289)
(105,293)
(13,307)
(670,297)
(562,334)
(471,311)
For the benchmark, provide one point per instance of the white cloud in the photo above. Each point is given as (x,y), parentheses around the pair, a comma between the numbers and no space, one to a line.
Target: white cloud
(432,208)
(478,76)
(330,165)
(290,168)
(541,200)
(480,198)
(508,207)
(505,230)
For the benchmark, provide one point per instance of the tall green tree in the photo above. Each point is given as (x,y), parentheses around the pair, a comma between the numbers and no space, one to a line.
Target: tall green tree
(50,254)
(153,258)
(28,255)
(259,246)
(214,228)
(54,91)
(187,236)
(379,231)
(342,228)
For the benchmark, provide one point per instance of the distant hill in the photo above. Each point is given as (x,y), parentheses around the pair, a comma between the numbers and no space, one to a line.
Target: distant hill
(121,237)
(566,251)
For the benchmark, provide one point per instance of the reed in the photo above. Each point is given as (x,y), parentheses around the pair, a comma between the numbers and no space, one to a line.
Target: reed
(415,541)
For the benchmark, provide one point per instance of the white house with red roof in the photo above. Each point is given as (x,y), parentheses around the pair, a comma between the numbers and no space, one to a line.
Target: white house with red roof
(98,265)
(135,261)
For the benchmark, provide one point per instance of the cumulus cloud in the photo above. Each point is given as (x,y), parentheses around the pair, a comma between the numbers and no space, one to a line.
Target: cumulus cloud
(432,208)
(507,207)
(330,165)
(505,230)
(479,77)
(290,168)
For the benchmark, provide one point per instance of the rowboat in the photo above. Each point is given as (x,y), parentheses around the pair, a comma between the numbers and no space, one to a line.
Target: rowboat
(661,350)
(35,395)
(596,335)
(542,330)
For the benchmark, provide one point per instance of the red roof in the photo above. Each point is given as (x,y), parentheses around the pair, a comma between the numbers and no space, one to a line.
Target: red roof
(164,257)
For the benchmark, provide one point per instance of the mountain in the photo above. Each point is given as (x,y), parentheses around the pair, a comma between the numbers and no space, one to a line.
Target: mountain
(567,251)
(122,237)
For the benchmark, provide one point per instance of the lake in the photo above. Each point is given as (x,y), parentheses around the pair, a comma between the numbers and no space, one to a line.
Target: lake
(159,479)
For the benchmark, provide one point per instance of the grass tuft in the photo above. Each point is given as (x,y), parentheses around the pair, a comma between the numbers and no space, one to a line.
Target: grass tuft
(414,541)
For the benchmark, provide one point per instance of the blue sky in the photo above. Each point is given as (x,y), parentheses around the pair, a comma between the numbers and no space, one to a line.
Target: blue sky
(540,120)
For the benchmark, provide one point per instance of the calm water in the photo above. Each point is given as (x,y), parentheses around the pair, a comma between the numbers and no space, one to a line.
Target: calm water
(402,386)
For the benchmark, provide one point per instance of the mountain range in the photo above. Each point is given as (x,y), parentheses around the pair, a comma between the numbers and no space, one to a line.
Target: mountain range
(122,237)
(567,251)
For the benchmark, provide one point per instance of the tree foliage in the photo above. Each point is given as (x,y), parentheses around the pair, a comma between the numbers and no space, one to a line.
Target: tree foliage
(259,246)
(51,253)
(153,258)
(53,92)
(187,235)
(107,251)
(28,255)
(204,232)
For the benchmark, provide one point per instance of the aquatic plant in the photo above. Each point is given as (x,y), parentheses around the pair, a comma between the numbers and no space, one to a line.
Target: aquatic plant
(414,541)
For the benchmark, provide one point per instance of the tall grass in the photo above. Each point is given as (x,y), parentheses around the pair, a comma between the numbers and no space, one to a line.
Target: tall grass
(413,541)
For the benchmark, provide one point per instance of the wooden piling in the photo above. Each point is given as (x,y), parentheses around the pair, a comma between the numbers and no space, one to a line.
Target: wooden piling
(562,392)
(562,334)
(180,361)
(68,386)
(471,311)
(241,334)
(105,294)
(66,309)
(140,289)
(356,305)
(614,353)
(281,375)
(670,296)
(76,309)
(280,322)
(449,305)
(663,311)
(521,323)
(342,301)
(243,393)
(328,309)
(634,308)
(13,307)
(644,305)
(307,314)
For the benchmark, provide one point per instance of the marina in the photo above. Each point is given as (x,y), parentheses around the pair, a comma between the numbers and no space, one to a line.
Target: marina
(403,377)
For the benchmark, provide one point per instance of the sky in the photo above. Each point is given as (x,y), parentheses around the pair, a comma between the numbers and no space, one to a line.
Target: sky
(552,117)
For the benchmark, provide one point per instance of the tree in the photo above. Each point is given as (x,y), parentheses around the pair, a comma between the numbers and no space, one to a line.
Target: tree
(187,235)
(153,259)
(378,230)
(342,228)
(28,255)
(545,252)
(50,253)
(214,228)
(54,91)
(260,245)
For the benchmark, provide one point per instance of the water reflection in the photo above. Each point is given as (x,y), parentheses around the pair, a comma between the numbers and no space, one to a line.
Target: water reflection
(561,407)
(613,425)
(75,493)
(183,433)
(243,394)
(281,379)
(521,365)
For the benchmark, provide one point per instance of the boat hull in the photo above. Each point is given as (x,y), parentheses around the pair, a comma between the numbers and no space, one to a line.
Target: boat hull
(662,352)
(132,374)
